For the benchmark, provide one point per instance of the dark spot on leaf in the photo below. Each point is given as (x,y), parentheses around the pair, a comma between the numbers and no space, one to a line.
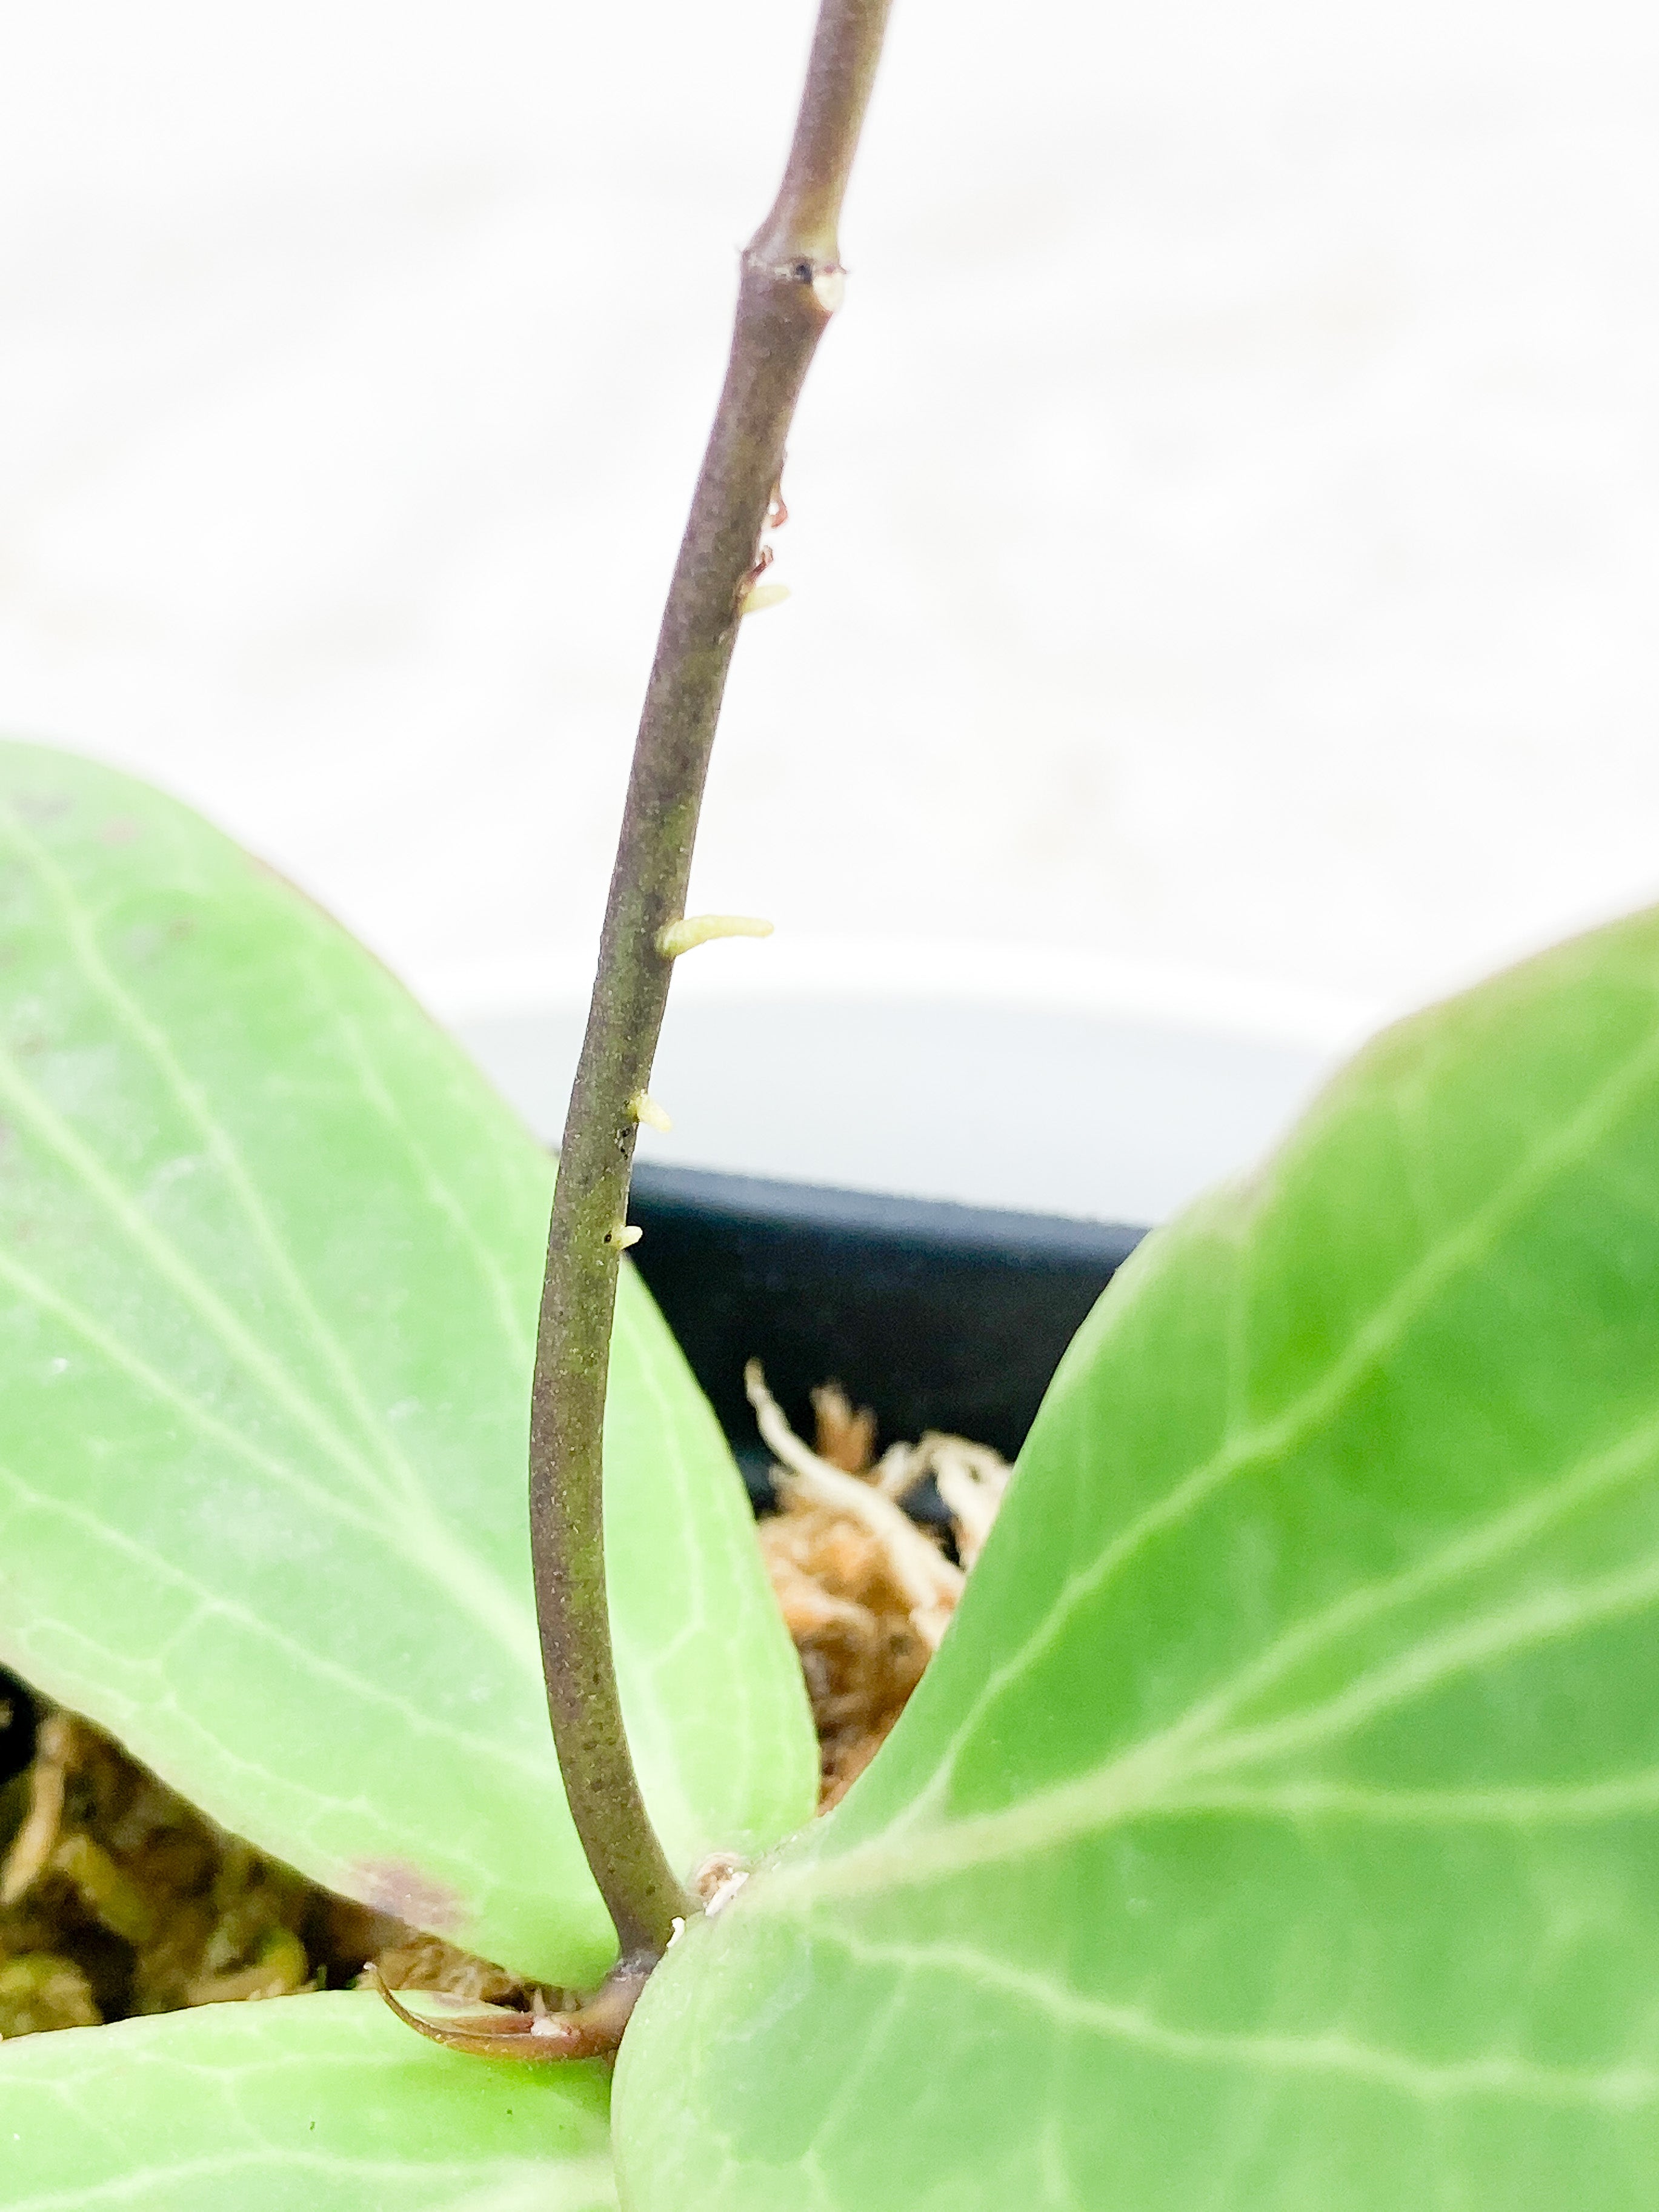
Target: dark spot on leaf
(42,805)
(392,1885)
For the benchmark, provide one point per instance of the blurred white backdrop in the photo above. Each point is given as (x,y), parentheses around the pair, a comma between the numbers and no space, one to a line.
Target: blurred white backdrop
(1225,517)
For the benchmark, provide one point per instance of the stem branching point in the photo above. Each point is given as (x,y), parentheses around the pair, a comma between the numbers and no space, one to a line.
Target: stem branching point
(791,284)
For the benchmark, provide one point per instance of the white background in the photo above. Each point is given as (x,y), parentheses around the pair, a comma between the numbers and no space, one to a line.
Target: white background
(1225,531)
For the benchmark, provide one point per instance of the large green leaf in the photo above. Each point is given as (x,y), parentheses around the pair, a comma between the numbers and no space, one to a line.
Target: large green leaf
(312,2104)
(1278,1828)
(269,1256)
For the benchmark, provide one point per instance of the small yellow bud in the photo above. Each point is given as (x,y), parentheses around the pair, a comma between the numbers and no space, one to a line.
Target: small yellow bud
(644,1109)
(759,596)
(686,934)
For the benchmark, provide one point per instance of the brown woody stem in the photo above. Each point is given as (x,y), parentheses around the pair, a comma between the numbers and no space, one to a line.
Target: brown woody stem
(790,285)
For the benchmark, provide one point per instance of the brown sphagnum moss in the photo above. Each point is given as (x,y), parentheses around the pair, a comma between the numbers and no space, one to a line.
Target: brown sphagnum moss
(865,1591)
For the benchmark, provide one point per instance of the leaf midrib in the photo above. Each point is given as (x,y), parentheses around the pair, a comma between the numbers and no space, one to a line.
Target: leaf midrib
(1435,1267)
(1154,1778)
(189,1099)
(406,1517)
(1623,2087)
(590,2174)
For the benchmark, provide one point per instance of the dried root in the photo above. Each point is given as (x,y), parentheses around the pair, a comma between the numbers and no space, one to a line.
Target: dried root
(931,1584)
(865,1593)
(969,1478)
(414,1962)
(542,2036)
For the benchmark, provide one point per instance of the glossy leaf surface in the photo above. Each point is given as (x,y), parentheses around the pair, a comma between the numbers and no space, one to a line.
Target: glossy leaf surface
(1278,1828)
(309,2103)
(270,1257)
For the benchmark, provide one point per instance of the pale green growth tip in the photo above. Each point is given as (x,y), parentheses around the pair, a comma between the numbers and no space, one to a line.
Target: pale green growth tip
(759,596)
(694,929)
(643,1108)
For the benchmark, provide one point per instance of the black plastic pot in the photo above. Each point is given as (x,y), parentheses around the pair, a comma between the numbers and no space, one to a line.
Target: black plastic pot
(936,1317)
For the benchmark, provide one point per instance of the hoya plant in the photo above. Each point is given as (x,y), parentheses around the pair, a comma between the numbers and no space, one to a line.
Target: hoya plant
(1277,1828)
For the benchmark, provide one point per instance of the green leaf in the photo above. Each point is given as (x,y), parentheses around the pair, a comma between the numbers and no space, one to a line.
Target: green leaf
(308,2104)
(271,1253)
(1278,1828)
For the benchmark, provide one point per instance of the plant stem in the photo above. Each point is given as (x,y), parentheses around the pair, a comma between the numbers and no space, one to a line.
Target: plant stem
(790,286)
